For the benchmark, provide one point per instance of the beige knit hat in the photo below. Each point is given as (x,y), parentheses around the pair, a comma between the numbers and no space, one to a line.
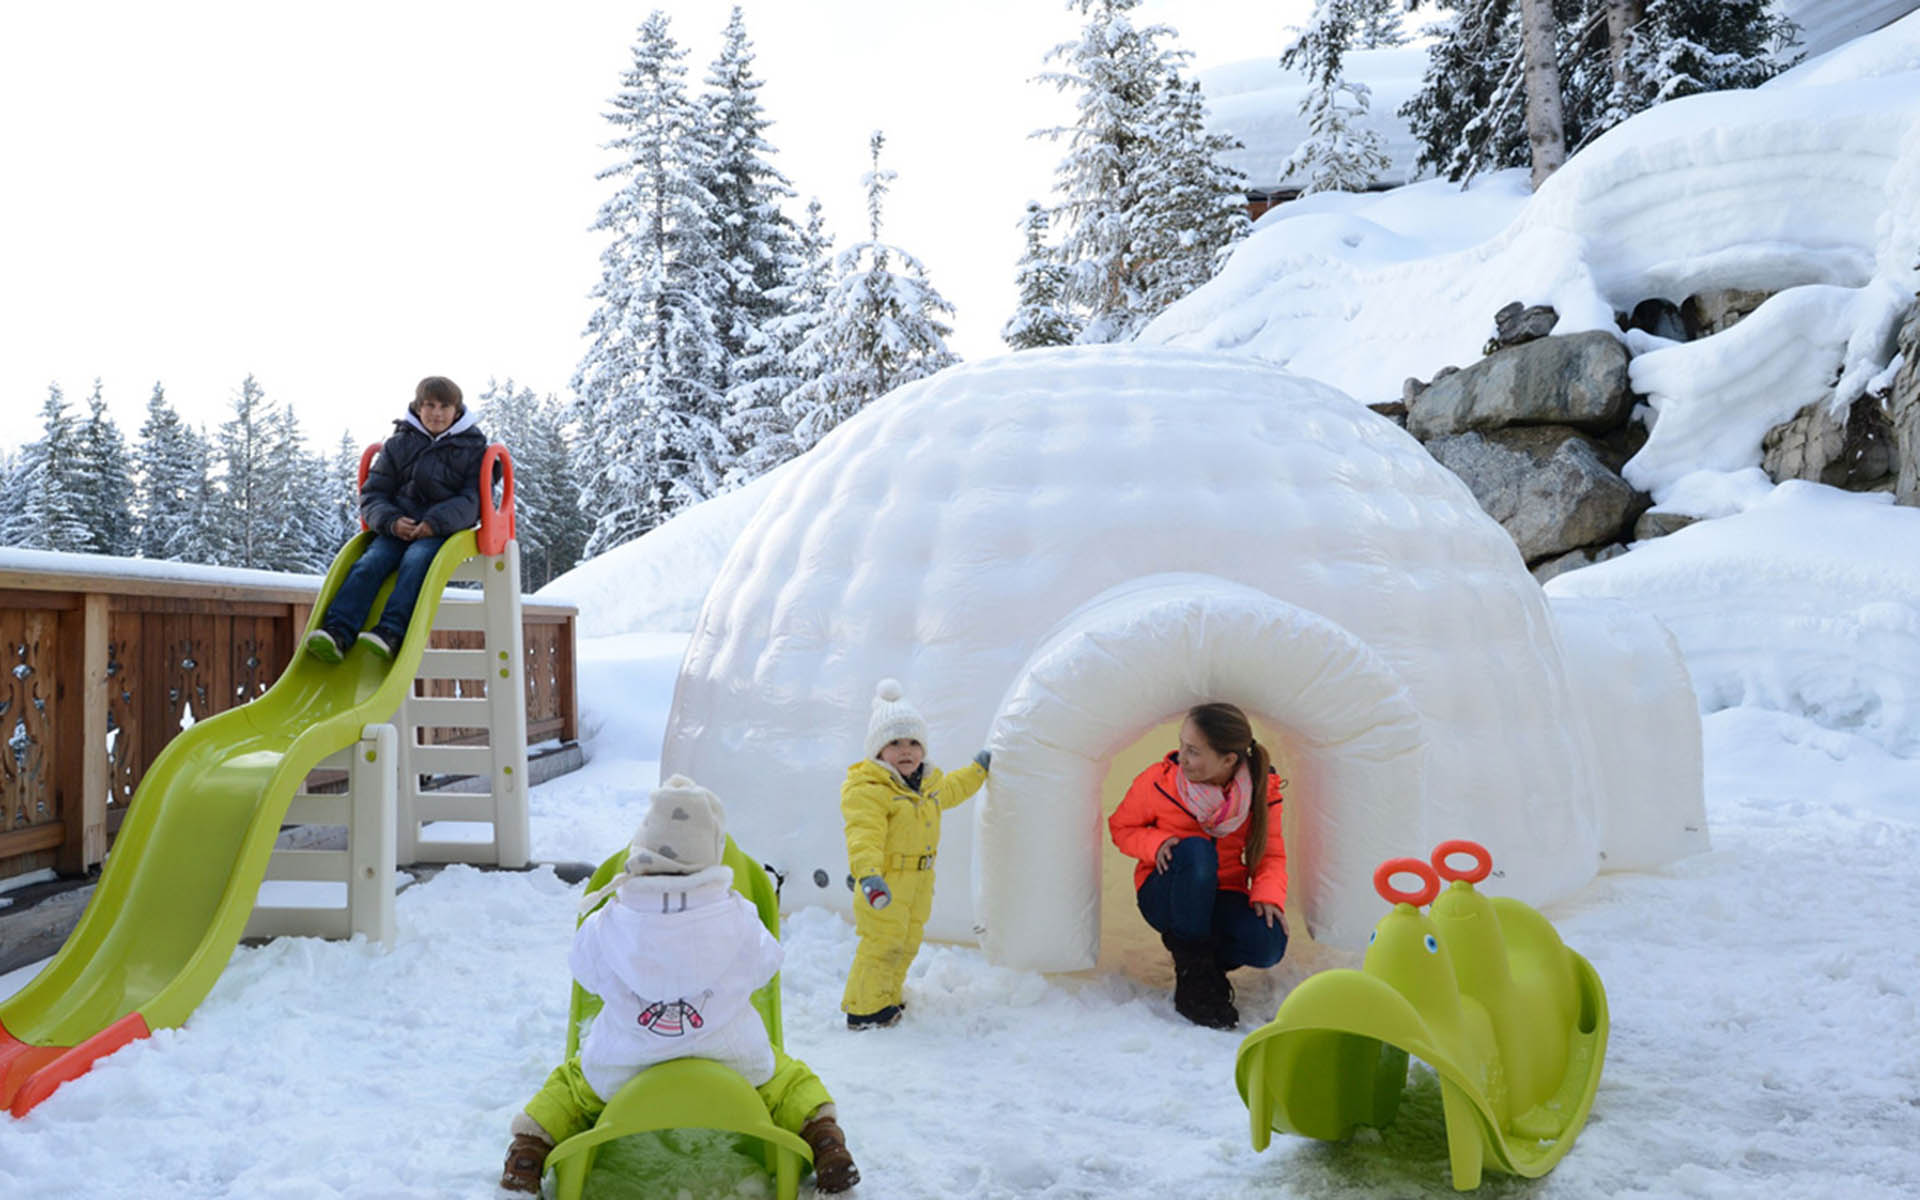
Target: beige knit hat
(683,832)
(893,718)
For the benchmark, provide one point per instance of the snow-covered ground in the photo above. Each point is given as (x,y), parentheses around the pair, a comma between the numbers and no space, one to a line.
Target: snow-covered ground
(1763,999)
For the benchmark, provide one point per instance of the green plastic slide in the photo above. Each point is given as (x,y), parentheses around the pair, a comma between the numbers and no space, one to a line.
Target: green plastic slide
(184,871)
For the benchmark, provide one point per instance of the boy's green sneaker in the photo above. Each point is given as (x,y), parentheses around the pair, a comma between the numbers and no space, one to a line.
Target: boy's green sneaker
(320,644)
(379,643)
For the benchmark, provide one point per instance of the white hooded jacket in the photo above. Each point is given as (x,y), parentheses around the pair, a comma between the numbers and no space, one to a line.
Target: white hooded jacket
(675,960)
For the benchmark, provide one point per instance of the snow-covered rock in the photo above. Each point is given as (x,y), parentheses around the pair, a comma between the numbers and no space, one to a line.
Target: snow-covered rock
(1803,188)
(1580,380)
(1059,550)
(1546,484)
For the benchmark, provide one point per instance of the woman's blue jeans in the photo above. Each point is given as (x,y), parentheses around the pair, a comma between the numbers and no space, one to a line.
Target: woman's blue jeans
(1186,902)
(407,562)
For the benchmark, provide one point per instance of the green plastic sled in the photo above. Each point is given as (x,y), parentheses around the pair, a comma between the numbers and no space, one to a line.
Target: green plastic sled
(1512,1021)
(687,1093)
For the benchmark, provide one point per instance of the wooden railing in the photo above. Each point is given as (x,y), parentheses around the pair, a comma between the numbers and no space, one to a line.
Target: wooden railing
(107,659)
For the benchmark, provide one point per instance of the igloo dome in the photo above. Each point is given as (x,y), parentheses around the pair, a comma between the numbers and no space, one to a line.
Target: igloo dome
(1058,551)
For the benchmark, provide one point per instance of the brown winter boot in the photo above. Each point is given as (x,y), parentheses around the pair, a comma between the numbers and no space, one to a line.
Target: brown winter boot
(833,1169)
(1201,992)
(526,1162)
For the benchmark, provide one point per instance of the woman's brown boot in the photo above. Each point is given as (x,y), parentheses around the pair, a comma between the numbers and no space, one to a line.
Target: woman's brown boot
(833,1169)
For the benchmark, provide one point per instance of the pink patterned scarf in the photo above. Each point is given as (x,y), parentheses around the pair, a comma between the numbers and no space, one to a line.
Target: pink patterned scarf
(1220,810)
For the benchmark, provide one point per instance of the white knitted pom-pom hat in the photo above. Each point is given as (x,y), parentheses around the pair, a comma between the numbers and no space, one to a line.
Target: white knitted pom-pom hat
(893,718)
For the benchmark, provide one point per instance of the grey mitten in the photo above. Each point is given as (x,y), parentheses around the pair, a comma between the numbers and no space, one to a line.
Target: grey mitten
(876,891)
(985,759)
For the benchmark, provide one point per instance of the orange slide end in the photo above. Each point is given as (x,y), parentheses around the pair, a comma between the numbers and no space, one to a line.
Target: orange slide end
(29,1073)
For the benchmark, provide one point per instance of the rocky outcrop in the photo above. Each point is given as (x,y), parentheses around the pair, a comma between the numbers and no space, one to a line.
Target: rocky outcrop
(1653,523)
(1903,409)
(1854,450)
(1712,312)
(1518,323)
(1574,560)
(1579,380)
(1548,486)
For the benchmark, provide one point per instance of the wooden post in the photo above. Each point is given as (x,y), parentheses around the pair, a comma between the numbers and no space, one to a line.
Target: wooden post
(564,682)
(82,772)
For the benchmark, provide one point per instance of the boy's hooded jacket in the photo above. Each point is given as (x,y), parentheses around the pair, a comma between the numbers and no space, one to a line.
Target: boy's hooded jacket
(431,479)
(675,960)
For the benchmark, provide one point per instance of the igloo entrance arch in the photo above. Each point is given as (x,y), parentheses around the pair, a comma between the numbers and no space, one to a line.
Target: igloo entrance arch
(1126,661)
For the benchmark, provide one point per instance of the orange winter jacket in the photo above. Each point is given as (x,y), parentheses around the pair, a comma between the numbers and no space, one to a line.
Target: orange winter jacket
(1152,813)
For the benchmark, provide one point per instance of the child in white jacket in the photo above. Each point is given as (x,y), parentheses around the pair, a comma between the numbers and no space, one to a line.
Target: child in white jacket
(675,958)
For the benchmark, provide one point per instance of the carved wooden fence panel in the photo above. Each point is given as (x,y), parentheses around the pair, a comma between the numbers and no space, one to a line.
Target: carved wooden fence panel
(102,670)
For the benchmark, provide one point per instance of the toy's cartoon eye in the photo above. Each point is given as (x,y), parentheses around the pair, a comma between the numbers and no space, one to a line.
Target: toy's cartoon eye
(1371,936)
(1433,944)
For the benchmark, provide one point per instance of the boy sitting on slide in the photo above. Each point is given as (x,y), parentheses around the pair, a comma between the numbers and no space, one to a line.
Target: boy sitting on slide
(423,486)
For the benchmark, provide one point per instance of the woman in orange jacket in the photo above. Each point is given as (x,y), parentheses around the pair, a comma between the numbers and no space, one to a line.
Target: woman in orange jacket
(1212,874)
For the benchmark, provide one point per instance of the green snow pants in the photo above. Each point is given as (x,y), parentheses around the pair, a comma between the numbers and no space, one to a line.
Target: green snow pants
(566,1105)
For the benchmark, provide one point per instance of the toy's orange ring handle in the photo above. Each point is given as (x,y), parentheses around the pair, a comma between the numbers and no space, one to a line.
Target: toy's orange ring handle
(1383,882)
(1482,864)
(496,523)
(366,464)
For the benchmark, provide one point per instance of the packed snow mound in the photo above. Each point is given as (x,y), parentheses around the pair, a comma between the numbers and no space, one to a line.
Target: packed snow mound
(1257,102)
(1059,550)
(1804,189)
(1807,602)
(657,582)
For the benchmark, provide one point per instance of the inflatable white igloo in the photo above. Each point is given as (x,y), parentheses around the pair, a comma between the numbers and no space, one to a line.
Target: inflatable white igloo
(1058,551)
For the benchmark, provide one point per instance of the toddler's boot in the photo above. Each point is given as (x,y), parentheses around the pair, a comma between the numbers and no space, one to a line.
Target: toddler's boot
(526,1162)
(833,1169)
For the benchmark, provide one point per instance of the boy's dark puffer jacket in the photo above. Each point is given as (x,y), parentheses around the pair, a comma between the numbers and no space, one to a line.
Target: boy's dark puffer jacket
(436,480)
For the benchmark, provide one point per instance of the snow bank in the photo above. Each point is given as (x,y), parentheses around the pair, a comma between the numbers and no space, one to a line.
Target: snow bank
(656,583)
(1805,188)
(1058,551)
(150,569)
(1808,602)
(1257,101)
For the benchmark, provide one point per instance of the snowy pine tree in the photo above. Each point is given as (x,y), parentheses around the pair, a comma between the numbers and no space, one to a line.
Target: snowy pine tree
(1128,95)
(881,328)
(48,511)
(547,516)
(247,533)
(300,519)
(1379,24)
(1040,320)
(344,485)
(1612,58)
(758,423)
(173,479)
(1339,153)
(105,470)
(754,241)
(651,387)
(1193,207)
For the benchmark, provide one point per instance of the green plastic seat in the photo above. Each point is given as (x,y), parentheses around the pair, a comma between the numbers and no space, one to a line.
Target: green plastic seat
(688,1093)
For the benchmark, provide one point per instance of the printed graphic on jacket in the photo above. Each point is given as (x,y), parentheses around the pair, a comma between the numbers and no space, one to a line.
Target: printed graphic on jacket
(672,1018)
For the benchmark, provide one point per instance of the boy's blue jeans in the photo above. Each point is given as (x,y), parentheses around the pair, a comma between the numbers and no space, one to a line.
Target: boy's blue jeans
(389,555)
(1186,901)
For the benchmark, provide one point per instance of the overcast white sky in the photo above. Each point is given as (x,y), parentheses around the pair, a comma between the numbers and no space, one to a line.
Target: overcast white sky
(342,198)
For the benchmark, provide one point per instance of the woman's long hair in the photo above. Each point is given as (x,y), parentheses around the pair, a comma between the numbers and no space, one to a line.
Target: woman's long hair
(1227,731)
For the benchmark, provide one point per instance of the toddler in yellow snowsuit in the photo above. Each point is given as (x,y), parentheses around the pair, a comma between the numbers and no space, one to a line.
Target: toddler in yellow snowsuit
(891,802)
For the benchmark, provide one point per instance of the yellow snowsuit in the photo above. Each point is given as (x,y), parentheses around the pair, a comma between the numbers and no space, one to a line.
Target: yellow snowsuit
(894,832)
